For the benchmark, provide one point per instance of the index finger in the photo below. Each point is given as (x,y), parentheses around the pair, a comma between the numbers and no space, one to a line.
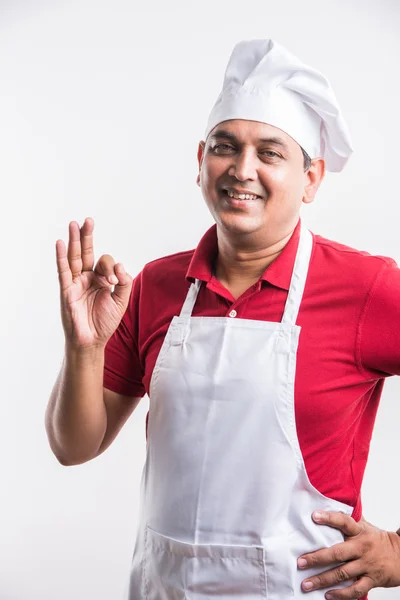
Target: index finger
(63,268)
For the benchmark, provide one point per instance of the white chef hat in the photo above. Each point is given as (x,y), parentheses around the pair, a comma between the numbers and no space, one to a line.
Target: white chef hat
(264,82)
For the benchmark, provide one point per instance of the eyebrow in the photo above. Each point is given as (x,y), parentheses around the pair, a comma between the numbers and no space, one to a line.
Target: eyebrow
(221,133)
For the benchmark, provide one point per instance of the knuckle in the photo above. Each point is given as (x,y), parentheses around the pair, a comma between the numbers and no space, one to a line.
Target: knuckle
(312,560)
(379,574)
(317,581)
(366,546)
(358,592)
(341,575)
(347,518)
(74,255)
(339,555)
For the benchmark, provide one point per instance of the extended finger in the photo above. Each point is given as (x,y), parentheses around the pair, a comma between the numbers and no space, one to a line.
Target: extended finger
(64,272)
(87,251)
(344,572)
(338,520)
(342,552)
(357,590)
(74,249)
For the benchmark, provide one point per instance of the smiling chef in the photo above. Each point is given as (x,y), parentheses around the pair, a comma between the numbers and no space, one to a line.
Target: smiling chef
(263,352)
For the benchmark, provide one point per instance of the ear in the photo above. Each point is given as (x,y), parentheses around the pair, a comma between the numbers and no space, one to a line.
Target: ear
(314,177)
(200,156)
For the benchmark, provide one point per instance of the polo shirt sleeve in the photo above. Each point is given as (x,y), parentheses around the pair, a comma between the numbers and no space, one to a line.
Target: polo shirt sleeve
(378,343)
(123,372)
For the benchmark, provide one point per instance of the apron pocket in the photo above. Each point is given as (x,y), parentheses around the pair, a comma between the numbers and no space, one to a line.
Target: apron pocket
(175,570)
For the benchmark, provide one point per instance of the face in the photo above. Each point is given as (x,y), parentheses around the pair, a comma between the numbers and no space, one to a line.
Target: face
(264,163)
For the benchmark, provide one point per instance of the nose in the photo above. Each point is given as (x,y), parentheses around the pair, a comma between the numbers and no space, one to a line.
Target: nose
(244,165)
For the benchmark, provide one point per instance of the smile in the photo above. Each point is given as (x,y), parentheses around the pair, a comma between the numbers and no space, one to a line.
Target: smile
(237,196)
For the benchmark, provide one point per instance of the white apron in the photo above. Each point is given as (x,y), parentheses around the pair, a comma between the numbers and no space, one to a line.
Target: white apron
(226,502)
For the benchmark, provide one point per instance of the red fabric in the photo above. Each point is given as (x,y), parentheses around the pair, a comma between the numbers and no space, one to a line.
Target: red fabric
(349,342)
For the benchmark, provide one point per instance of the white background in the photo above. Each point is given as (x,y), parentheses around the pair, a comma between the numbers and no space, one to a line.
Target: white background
(103,103)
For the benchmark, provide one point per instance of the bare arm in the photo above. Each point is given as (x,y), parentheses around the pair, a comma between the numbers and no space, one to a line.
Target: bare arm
(119,408)
(76,416)
(81,418)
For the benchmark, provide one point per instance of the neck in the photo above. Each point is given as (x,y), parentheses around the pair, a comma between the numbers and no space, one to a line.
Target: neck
(243,260)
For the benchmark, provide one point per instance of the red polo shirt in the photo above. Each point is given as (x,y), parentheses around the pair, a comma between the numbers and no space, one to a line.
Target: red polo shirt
(349,342)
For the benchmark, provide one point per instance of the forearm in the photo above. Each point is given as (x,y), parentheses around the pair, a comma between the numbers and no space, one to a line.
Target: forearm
(76,418)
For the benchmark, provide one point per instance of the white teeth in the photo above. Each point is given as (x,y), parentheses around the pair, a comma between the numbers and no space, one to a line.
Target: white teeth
(241,196)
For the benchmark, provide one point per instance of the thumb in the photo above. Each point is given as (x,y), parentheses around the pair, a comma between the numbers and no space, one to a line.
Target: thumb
(122,289)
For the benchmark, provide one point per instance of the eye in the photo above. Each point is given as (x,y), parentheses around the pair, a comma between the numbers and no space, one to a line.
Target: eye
(222,148)
(269,153)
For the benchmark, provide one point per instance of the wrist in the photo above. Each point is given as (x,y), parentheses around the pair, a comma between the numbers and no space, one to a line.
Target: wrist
(84,353)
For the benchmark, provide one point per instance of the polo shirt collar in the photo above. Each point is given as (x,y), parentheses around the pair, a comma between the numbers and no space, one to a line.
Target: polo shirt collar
(278,273)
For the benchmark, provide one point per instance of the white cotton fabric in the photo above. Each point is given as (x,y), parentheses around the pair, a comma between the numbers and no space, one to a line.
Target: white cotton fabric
(226,502)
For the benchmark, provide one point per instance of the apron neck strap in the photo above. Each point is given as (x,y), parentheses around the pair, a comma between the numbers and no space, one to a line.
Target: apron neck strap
(299,276)
(190,301)
(296,289)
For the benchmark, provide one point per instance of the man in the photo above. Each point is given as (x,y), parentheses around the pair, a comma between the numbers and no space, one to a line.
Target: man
(263,352)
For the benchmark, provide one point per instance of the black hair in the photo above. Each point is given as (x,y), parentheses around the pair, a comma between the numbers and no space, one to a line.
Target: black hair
(307,160)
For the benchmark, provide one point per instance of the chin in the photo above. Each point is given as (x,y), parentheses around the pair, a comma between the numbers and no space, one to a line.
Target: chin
(235,224)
